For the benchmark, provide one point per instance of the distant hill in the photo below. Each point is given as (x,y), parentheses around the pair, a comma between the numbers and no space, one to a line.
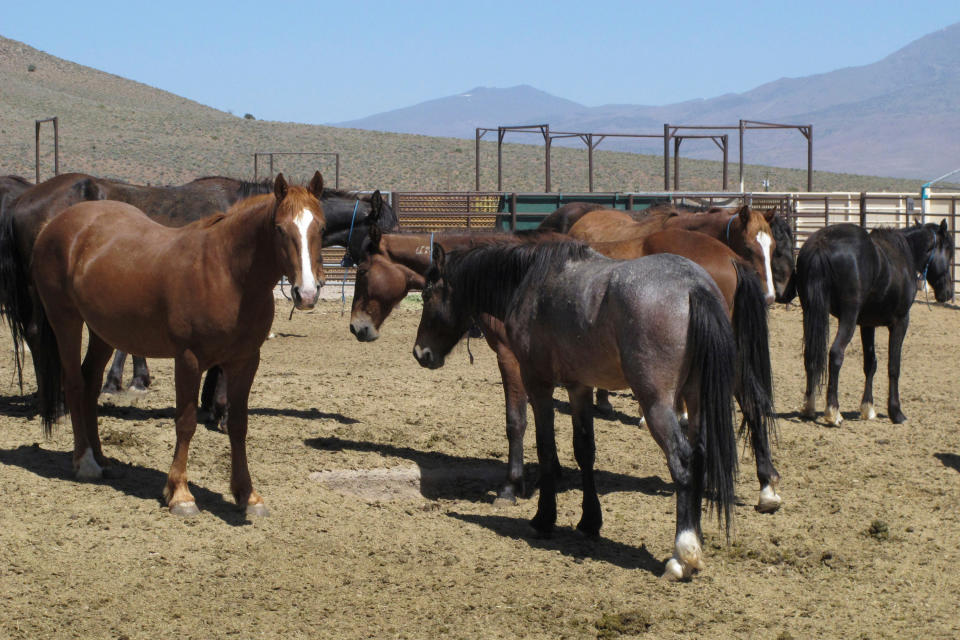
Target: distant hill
(895,117)
(118,128)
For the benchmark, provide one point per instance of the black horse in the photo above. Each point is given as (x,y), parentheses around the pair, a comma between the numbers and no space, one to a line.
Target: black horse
(782,262)
(656,325)
(868,280)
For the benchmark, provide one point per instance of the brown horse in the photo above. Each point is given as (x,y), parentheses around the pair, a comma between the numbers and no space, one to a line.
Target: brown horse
(394,264)
(744,230)
(201,294)
(746,306)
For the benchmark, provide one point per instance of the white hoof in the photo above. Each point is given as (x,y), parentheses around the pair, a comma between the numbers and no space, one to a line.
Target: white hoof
(867,411)
(271,336)
(809,410)
(832,416)
(769,500)
(674,571)
(87,468)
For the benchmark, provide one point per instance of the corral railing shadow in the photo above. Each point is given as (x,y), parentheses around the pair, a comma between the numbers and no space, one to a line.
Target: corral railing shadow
(569,542)
(445,476)
(133,480)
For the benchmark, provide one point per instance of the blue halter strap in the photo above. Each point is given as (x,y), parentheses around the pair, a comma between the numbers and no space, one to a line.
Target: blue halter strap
(730,222)
(431,249)
(343,283)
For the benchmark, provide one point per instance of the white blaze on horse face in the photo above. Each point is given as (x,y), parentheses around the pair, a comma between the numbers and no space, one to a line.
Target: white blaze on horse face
(309,285)
(765,241)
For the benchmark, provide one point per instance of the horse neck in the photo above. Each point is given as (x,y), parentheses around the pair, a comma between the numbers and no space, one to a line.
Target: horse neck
(919,241)
(245,239)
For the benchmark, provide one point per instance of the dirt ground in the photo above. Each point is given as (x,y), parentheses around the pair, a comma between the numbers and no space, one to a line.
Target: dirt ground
(379,478)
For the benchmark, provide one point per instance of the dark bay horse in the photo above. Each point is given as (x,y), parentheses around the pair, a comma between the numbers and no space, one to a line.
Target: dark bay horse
(394,264)
(656,325)
(868,280)
(10,189)
(744,230)
(746,306)
(201,294)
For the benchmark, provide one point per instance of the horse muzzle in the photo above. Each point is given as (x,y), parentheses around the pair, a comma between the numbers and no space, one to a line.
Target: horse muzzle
(364,331)
(427,357)
(305,298)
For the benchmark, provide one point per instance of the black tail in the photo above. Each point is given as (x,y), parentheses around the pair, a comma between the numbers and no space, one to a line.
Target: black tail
(754,381)
(46,358)
(711,341)
(813,285)
(15,303)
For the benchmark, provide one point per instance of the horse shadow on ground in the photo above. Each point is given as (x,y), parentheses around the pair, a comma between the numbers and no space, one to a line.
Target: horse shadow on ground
(951,460)
(19,406)
(133,480)
(448,477)
(569,542)
(563,407)
(796,416)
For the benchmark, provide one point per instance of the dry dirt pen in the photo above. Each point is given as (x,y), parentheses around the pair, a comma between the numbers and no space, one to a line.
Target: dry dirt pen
(379,477)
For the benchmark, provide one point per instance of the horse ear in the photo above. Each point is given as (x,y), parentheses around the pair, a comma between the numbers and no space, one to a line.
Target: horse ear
(376,205)
(916,221)
(769,215)
(744,214)
(439,256)
(280,187)
(943,227)
(375,236)
(316,185)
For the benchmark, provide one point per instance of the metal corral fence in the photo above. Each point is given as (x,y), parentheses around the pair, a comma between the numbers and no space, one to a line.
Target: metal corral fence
(807,212)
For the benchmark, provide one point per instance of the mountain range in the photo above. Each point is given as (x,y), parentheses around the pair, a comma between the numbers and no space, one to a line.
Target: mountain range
(895,117)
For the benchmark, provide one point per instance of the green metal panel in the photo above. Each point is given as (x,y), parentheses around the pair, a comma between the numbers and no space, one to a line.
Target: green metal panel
(532,208)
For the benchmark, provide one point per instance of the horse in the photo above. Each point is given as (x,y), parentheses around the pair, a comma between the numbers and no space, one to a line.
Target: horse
(573,317)
(744,230)
(200,294)
(746,307)
(10,189)
(392,265)
(782,262)
(566,216)
(870,280)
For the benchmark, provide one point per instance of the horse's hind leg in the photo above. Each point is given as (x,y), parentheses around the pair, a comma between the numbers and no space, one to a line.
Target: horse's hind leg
(898,332)
(686,469)
(98,354)
(213,398)
(141,374)
(584,449)
(603,402)
(846,324)
(115,376)
(240,375)
(867,339)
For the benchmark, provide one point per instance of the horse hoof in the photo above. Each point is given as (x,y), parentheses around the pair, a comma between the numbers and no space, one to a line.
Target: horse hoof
(867,411)
(687,550)
(541,528)
(896,416)
(184,509)
(258,510)
(87,467)
(832,416)
(137,388)
(605,409)
(673,570)
(110,387)
(769,500)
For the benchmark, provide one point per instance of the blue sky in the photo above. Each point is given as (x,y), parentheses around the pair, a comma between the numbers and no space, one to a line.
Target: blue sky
(319,62)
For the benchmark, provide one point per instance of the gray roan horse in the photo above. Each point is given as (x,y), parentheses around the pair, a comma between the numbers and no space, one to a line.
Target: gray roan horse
(575,318)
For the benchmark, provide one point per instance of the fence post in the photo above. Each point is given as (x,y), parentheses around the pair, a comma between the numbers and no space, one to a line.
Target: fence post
(863,210)
(513,212)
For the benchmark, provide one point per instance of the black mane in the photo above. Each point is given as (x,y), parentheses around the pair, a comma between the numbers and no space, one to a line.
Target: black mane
(485,278)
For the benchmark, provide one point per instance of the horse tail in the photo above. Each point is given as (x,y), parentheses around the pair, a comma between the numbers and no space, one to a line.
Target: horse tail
(46,357)
(754,381)
(813,285)
(711,341)
(15,303)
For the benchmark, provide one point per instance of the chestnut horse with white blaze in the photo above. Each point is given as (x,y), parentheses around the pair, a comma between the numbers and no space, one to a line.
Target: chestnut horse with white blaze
(200,294)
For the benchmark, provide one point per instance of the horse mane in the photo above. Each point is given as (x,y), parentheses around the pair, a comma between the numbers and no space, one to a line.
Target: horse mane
(485,278)
(245,188)
(19,179)
(330,192)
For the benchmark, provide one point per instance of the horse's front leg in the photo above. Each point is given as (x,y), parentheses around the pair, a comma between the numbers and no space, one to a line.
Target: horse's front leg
(187,381)
(240,374)
(114,381)
(584,450)
(898,332)
(541,397)
(867,339)
(845,327)
(515,397)
(141,374)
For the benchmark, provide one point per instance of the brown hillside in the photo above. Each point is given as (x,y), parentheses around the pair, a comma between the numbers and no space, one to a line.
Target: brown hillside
(114,127)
